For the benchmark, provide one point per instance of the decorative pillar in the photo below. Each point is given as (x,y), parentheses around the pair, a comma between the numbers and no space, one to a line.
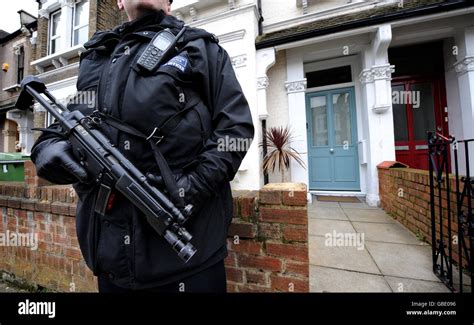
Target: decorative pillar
(265,60)
(9,136)
(295,89)
(24,119)
(375,79)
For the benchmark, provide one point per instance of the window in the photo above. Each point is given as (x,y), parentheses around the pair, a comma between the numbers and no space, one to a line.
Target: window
(20,64)
(55,34)
(69,26)
(81,23)
(329,76)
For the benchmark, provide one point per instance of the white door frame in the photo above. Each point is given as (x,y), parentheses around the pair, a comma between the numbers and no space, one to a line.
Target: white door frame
(353,62)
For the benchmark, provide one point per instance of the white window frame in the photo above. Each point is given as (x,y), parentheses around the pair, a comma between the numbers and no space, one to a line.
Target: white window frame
(74,27)
(67,26)
(51,37)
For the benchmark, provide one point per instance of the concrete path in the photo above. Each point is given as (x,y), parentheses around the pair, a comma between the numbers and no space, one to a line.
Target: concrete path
(357,248)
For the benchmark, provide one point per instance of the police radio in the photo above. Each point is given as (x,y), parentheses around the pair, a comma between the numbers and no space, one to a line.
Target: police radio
(158,49)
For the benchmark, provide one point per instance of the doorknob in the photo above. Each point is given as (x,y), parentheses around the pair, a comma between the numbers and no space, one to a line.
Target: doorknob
(331,150)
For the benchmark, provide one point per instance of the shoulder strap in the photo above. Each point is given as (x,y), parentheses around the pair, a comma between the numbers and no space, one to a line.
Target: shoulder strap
(163,166)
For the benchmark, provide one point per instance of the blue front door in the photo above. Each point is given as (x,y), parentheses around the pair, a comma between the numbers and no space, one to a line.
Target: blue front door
(332,140)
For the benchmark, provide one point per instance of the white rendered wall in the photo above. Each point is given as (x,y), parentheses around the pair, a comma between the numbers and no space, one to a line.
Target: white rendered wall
(453,100)
(376,80)
(465,74)
(277,103)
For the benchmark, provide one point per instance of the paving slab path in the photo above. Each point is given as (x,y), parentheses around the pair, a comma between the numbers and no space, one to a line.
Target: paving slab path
(357,248)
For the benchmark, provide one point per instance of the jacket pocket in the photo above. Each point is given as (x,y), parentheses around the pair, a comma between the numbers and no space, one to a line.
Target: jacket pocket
(183,135)
(205,121)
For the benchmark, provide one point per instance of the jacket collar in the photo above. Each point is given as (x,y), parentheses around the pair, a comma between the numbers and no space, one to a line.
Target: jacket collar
(149,21)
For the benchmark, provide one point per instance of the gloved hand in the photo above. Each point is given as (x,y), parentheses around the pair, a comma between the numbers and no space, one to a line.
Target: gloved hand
(55,162)
(189,188)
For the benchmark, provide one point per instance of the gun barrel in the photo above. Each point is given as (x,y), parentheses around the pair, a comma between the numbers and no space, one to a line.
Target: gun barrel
(43,102)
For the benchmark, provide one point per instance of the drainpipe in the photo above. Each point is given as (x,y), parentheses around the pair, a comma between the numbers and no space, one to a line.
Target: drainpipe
(260,20)
(265,148)
(265,59)
(264,121)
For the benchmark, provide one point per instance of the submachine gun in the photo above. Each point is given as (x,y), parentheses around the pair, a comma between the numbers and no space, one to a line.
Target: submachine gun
(107,165)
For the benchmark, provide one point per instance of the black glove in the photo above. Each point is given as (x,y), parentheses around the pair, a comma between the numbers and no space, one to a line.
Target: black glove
(189,188)
(55,162)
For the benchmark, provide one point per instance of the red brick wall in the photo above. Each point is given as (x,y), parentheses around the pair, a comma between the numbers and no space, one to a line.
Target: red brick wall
(267,242)
(405,195)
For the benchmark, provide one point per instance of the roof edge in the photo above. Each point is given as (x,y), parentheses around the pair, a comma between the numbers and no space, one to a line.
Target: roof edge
(408,13)
(18,32)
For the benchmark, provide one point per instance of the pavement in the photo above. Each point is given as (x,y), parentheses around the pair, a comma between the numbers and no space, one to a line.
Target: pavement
(357,248)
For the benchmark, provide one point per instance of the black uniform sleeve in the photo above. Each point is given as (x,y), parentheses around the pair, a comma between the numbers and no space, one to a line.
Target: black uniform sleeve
(231,117)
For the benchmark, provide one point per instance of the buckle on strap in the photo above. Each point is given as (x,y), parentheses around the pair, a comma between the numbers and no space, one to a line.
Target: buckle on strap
(158,137)
(94,118)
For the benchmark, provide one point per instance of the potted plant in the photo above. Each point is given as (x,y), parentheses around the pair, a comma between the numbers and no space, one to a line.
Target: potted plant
(279,152)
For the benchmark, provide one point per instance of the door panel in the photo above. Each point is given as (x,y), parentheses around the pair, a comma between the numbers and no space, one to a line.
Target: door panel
(423,111)
(322,169)
(332,140)
(320,121)
(342,118)
(400,117)
(345,169)
(417,109)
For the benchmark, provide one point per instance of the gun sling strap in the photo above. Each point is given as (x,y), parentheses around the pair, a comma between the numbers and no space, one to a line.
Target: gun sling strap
(153,139)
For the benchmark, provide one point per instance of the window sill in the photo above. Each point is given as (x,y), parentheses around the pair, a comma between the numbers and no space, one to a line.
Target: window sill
(12,89)
(59,59)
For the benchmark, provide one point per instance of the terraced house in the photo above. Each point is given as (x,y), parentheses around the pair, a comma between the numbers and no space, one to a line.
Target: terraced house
(16,51)
(358,82)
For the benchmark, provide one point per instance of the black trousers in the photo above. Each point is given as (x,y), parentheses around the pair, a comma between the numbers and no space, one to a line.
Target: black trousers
(210,280)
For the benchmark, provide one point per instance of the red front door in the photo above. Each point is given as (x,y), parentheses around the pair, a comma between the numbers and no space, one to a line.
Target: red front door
(419,106)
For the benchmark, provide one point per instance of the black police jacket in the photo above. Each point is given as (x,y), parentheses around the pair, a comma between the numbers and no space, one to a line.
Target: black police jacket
(198,80)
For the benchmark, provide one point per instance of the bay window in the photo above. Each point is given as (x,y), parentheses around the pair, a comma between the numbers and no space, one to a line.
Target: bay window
(69,26)
(81,22)
(55,32)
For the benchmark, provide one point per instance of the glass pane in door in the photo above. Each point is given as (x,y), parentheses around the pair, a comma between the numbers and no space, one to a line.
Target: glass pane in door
(342,119)
(423,110)
(319,118)
(400,123)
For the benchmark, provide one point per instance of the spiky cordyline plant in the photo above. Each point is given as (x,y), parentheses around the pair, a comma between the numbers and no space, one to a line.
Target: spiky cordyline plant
(279,151)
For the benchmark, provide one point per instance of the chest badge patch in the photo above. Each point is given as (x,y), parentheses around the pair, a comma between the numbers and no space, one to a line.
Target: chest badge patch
(180,62)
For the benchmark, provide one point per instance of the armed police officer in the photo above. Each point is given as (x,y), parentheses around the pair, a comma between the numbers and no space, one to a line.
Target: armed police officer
(184,105)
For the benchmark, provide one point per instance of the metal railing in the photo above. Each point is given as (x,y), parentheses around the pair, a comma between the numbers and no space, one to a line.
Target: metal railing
(443,236)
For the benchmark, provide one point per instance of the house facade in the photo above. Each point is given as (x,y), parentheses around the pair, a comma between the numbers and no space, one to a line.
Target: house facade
(16,50)
(358,82)
(63,27)
(365,85)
